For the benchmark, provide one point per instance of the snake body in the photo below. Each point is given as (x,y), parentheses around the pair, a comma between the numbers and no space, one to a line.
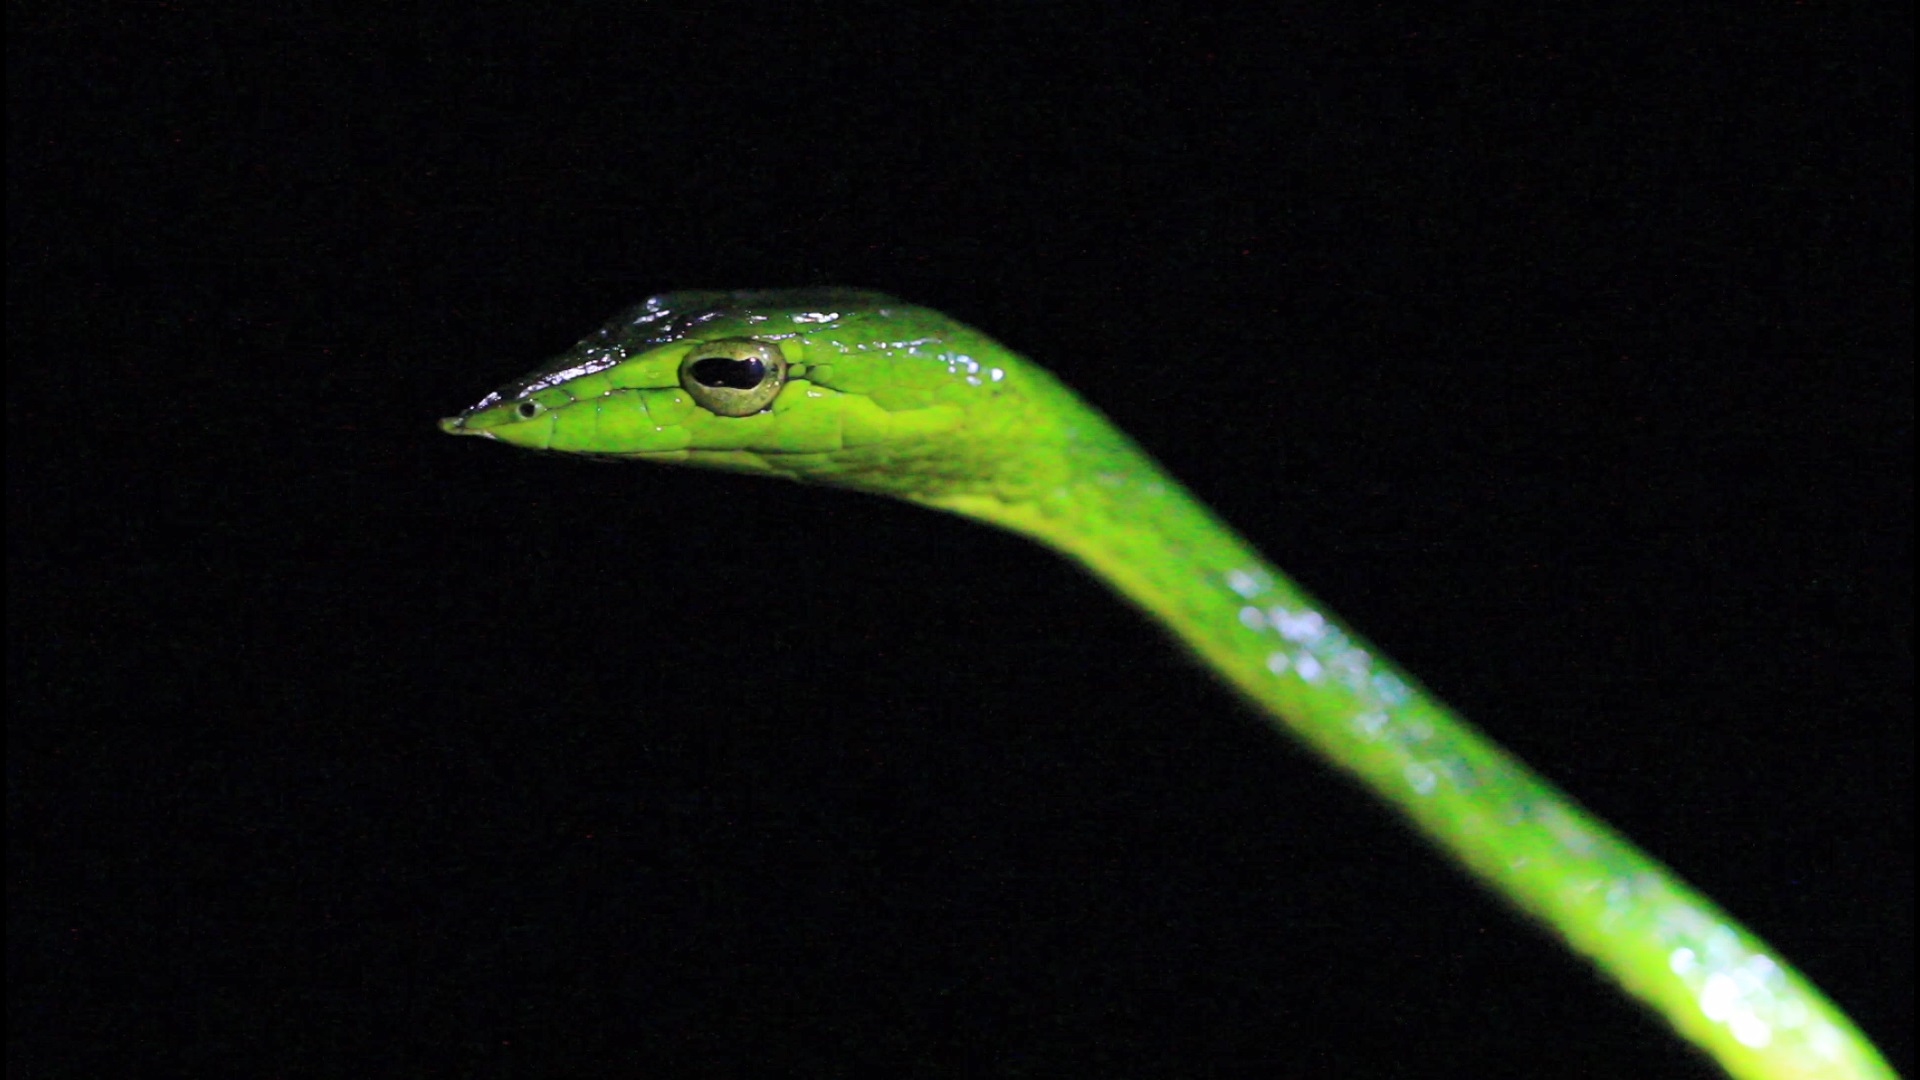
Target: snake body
(856,389)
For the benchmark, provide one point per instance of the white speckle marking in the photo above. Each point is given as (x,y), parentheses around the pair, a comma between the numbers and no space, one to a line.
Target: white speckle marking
(1718,996)
(1390,689)
(1421,777)
(1352,668)
(1751,1030)
(1305,628)
(1245,585)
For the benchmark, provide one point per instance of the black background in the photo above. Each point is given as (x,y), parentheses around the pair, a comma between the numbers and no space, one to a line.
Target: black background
(1569,356)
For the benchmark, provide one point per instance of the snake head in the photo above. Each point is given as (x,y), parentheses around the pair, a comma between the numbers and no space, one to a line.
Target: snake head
(832,385)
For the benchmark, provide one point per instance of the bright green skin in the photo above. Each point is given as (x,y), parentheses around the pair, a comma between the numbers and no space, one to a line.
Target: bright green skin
(887,397)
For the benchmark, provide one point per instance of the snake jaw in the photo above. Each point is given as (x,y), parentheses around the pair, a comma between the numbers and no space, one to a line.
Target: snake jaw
(457,425)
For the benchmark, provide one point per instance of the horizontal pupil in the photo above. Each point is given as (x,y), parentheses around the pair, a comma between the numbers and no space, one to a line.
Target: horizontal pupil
(720,371)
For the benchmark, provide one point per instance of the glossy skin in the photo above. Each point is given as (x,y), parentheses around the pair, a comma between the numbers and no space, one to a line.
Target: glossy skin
(883,396)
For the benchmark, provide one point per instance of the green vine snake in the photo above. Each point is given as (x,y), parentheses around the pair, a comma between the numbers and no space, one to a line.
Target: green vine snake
(859,390)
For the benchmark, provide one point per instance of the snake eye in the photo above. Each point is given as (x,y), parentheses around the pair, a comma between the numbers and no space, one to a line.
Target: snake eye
(734,376)
(527,410)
